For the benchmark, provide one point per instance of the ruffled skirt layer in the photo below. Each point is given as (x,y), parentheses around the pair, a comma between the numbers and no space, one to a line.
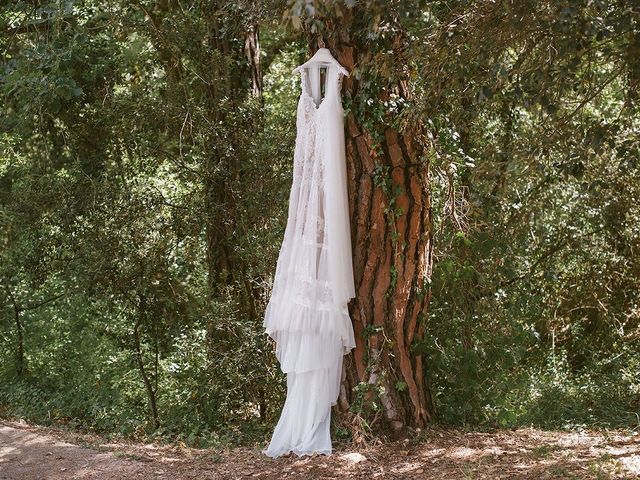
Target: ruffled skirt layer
(312,335)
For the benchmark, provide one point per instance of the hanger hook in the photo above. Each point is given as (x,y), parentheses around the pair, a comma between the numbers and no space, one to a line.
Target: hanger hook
(320,41)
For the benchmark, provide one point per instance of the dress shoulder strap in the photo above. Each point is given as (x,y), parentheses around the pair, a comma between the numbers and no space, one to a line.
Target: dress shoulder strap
(304,80)
(334,82)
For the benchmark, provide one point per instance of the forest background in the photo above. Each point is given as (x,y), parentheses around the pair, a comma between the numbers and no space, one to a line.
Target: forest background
(145,163)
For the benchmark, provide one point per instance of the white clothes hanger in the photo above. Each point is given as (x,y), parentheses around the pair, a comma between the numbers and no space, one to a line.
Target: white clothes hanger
(322,58)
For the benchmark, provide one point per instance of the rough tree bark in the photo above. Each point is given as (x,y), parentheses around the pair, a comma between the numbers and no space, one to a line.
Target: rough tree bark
(252,51)
(390,210)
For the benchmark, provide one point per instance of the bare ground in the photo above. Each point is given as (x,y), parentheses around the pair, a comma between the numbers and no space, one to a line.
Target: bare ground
(29,452)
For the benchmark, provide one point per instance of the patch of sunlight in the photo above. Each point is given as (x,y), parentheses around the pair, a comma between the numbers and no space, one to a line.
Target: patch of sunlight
(631,464)
(6,451)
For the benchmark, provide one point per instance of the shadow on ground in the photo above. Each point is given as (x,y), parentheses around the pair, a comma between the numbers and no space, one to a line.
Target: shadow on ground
(28,452)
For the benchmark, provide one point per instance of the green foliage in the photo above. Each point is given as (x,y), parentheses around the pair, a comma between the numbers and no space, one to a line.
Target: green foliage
(110,156)
(534,163)
(143,193)
(594,397)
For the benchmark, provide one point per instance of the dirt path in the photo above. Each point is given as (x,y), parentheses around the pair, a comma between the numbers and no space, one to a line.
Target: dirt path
(28,452)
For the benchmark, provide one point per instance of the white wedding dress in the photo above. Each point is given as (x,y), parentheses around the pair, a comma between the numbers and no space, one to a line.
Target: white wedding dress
(307,313)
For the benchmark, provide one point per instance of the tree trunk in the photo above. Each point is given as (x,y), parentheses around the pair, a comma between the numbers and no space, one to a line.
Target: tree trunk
(20,363)
(221,170)
(252,51)
(151,392)
(20,346)
(390,210)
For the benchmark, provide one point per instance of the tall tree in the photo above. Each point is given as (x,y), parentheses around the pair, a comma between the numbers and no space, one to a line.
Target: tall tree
(390,209)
